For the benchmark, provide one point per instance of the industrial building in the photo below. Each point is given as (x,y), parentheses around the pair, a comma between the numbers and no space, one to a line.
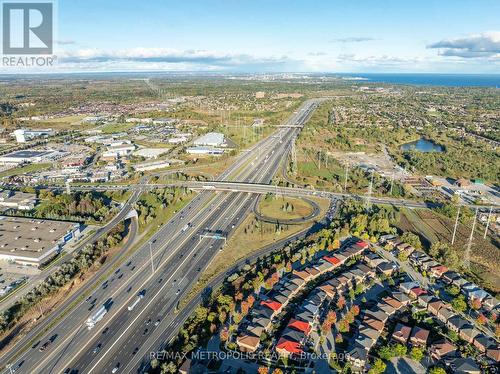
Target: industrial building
(213,139)
(24,135)
(17,200)
(21,157)
(150,152)
(33,241)
(151,165)
(204,151)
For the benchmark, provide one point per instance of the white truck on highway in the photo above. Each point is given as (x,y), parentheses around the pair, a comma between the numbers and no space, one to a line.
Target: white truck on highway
(96,317)
(136,301)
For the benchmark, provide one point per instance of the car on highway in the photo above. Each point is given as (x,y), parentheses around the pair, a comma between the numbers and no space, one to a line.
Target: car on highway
(115,369)
(97,348)
(44,346)
(105,330)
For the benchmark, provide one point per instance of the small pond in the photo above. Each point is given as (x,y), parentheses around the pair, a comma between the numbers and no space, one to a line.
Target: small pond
(422,145)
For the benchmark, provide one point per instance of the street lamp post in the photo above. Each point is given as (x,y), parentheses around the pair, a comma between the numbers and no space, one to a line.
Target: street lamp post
(151,255)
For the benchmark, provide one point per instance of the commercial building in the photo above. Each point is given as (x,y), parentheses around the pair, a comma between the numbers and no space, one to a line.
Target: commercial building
(21,157)
(24,135)
(150,152)
(204,151)
(151,165)
(17,200)
(213,139)
(32,241)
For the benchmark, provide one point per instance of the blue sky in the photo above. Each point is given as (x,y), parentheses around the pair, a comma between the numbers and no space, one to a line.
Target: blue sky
(450,36)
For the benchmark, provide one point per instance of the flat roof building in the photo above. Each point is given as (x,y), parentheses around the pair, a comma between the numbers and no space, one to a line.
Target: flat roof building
(20,157)
(17,200)
(33,241)
(151,165)
(24,135)
(200,150)
(214,139)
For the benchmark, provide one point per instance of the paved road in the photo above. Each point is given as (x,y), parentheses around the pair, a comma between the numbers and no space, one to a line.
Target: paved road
(38,278)
(178,258)
(163,337)
(68,304)
(136,338)
(258,188)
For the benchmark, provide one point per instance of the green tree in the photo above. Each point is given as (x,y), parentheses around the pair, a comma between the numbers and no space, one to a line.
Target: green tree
(378,367)
(459,304)
(416,353)
(386,352)
(400,350)
(437,370)
(411,239)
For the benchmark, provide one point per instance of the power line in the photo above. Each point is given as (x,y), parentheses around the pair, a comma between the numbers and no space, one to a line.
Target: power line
(455,228)
(469,244)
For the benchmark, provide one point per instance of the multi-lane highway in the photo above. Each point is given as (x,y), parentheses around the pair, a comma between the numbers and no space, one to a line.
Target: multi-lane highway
(100,232)
(163,270)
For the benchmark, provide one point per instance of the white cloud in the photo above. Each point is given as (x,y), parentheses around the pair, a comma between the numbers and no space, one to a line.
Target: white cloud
(483,45)
(172,58)
(352,39)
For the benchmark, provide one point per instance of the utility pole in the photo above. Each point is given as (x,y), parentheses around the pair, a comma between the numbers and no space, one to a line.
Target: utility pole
(469,244)
(294,159)
(151,255)
(487,223)
(345,180)
(455,228)
(370,187)
(392,183)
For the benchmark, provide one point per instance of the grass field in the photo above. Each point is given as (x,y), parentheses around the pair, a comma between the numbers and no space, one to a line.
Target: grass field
(116,127)
(61,123)
(273,208)
(433,227)
(30,168)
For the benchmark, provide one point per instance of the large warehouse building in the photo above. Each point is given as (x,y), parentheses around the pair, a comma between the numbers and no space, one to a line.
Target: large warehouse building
(21,157)
(33,241)
(213,139)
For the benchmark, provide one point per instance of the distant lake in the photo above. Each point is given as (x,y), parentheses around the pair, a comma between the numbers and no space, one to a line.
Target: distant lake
(452,80)
(422,145)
